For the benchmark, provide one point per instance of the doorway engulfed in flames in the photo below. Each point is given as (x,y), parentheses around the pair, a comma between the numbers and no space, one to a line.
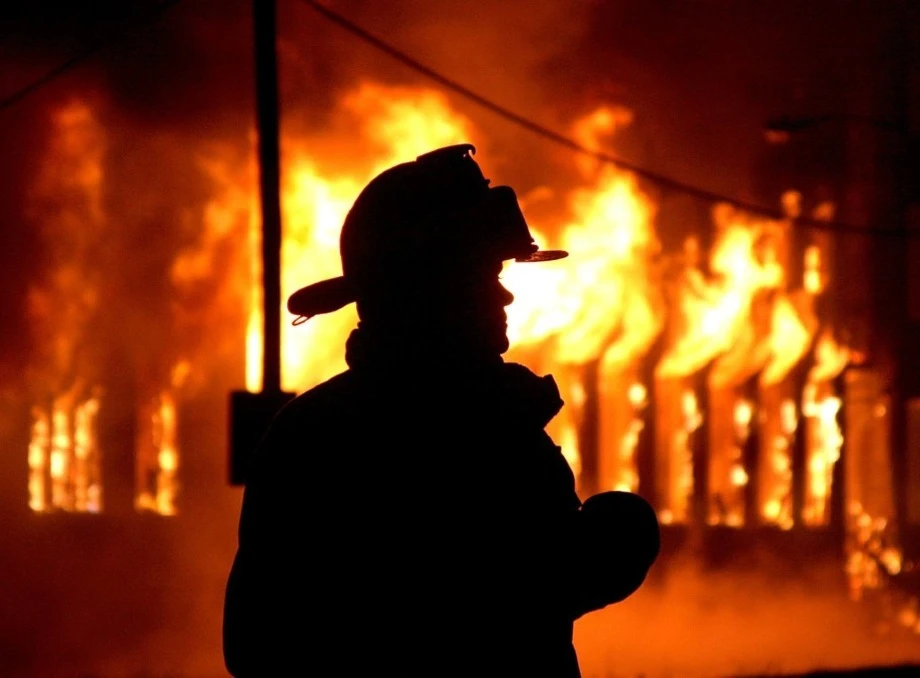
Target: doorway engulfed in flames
(711,380)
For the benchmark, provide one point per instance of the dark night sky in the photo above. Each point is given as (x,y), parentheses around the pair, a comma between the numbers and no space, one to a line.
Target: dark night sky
(700,75)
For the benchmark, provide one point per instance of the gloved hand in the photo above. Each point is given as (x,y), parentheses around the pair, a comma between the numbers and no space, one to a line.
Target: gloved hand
(619,538)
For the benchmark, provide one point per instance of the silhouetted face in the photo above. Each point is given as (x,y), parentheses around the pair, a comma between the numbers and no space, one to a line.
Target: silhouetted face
(471,307)
(456,308)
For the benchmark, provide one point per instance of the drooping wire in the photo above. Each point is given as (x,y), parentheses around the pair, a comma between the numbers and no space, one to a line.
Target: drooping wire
(141,22)
(665,182)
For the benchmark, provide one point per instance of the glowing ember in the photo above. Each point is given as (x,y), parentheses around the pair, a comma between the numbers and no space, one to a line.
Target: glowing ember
(739,475)
(873,557)
(813,278)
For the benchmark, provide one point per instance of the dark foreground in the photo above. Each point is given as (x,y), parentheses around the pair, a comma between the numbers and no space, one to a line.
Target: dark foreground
(885,672)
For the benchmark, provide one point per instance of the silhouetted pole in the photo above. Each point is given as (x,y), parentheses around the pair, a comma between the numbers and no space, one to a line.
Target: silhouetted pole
(264,25)
(893,274)
(251,413)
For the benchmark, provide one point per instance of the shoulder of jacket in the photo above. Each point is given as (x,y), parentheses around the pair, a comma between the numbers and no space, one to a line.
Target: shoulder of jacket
(323,399)
(308,416)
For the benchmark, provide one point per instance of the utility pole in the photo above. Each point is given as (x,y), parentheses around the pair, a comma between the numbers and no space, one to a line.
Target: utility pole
(251,413)
(264,26)
(892,266)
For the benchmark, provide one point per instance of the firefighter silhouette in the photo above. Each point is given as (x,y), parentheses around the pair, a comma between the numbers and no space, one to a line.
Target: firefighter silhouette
(410,516)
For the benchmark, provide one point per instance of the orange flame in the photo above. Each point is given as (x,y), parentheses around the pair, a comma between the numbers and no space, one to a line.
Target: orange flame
(600,303)
(572,310)
(820,406)
(399,123)
(158,450)
(64,459)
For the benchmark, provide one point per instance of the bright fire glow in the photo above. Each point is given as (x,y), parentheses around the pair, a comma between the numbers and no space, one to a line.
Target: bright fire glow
(572,311)
(64,456)
(64,463)
(400,124)
(777,506)
(157,457)
(600,302)
(676,504)
(820,407)
(715,313)
(593,316)
(604,303)
(873,556)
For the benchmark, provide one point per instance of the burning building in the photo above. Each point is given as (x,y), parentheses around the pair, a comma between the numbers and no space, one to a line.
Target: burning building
(709,360)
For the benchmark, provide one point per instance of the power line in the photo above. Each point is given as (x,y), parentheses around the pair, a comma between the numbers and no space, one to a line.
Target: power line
(661,180)
(82,56)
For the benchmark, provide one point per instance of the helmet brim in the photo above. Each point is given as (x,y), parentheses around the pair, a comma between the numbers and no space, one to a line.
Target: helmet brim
(542,255)
(333,294)
(325,296)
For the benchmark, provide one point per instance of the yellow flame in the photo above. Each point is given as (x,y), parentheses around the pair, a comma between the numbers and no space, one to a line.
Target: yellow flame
(39,444)
(744,411)
(168,455)
(813,280)
(713,313)
(680,453)
(604,302)
(87,487)
(739,476)
(627,478)
(820,407)
(603,287)
(64,458)
(789,341)
(637,395)
(568,441)
(60,456)
(158,456)
(230,216)
(573,310)
(588,131)
(830,359)
(601,302)
(401,123)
